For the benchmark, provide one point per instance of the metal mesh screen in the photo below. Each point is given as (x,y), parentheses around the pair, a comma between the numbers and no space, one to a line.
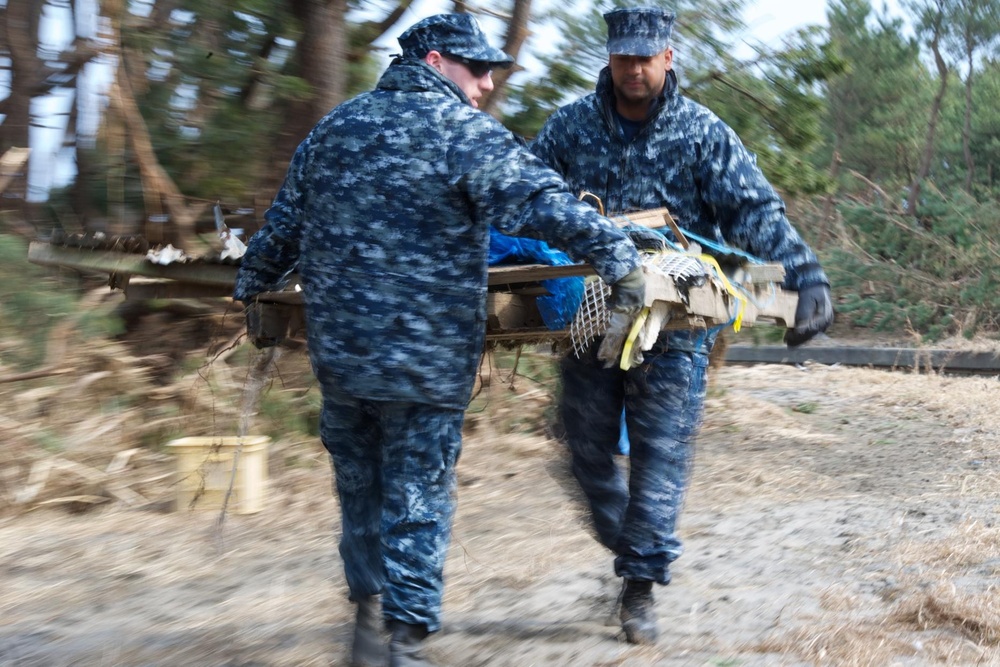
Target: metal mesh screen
(592,319)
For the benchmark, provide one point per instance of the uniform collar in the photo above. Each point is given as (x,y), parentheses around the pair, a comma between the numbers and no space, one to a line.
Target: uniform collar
(417,76)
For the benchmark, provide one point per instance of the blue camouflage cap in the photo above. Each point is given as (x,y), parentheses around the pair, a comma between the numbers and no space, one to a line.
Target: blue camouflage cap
(453,35)
(639,31)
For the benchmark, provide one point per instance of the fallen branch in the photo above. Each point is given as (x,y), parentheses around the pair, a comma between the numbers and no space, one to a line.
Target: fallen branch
(104,479)
(874,186)
(85,500)
(48,371)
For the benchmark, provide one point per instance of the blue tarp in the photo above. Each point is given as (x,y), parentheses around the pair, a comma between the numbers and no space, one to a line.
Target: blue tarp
(565,294)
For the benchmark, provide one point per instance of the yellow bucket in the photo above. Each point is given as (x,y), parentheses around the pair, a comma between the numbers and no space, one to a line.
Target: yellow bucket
(205,468)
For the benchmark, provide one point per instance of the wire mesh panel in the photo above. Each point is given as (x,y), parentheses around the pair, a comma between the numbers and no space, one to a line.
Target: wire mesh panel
(678,266)
(593,317)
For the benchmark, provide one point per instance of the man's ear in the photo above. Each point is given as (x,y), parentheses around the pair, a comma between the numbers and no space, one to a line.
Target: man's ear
(434,58)
(668,59)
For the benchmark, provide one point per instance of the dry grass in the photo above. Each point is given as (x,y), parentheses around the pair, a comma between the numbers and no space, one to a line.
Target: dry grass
(939,626)
(974,616)
(898,588)
(868,643)
(94,431)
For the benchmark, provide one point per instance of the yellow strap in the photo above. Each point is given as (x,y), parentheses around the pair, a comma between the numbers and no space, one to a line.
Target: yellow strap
(633,334)
(626,361)
(740,299)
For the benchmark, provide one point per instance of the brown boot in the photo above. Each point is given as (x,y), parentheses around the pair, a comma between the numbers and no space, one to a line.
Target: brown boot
(368,648)
(638,612)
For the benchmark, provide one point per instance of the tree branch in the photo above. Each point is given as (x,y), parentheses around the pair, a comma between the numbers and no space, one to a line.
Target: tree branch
(716,75)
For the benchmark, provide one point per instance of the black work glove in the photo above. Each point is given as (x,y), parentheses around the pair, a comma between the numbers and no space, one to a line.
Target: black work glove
(267,323)
(628,295)
(813,314)
(644,238)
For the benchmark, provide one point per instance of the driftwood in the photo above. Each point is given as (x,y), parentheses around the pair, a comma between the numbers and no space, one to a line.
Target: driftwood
(106,480)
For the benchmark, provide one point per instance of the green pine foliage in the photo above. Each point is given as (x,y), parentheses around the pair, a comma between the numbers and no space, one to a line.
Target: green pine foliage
(33,301)
(935,276)
(217,75)
(876,109)
(773,104)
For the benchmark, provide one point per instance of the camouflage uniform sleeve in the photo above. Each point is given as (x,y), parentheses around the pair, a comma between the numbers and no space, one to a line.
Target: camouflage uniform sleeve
(545,148)
(513,190)
(273,252)
(749,212)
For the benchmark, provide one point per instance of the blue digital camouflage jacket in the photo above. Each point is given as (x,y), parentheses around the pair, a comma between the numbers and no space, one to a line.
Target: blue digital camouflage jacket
(683,158)
(385,214)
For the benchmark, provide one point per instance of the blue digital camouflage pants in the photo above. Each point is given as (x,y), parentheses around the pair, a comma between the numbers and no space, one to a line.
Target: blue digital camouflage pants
(663,400)
(394,472)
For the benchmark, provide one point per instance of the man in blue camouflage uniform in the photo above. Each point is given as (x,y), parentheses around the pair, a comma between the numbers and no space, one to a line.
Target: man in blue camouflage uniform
(385,215)
(637,144)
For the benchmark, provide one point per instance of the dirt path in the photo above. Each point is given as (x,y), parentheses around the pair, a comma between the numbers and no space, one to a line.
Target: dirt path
(836,517)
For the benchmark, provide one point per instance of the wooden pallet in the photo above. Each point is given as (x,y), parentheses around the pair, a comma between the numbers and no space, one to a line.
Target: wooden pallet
(512,312)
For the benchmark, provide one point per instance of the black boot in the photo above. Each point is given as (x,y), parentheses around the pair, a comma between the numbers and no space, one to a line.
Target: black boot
(638,612)
(405,645)
(368,649)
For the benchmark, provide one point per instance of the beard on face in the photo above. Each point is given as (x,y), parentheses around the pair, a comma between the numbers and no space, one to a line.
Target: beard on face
(636,91)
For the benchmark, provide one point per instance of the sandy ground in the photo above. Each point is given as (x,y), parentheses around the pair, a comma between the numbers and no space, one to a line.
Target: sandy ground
(836,517)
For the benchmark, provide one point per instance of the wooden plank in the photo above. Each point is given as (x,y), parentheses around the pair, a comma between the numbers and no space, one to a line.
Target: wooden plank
(651,218)
(772,305)
(712,302)
(207,273)
(708,302)
(110,262)
(145,289)
(289,297)
(759,273)
(529,273)
(526,336)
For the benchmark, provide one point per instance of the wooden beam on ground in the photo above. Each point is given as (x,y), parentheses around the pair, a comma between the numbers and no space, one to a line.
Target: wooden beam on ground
(876,357)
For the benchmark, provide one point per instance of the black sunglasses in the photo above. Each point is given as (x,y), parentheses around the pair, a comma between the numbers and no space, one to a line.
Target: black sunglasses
(478,68)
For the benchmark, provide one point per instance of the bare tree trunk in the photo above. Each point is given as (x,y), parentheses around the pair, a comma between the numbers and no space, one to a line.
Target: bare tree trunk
(19,35)
(928,154)
(157,185)
(517,33)
(970,165)
(80,190)
(158,188)
(828,202)
(322,54)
